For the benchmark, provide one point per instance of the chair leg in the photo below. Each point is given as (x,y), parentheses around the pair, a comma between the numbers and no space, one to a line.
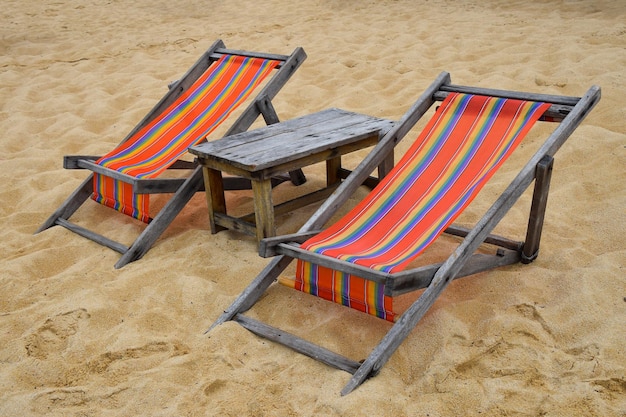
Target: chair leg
(157,226)
(297,177)
(537,209)
(69,206)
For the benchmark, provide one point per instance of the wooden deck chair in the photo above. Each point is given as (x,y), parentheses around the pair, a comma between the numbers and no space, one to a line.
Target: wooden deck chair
(361,260)
(194,106)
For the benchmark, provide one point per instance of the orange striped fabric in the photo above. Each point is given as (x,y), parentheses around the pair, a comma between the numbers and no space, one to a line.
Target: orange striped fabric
(461,147)
(187,121)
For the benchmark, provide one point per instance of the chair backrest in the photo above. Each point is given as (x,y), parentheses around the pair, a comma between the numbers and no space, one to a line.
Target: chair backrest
(224,86)
(461,147)
(193,116)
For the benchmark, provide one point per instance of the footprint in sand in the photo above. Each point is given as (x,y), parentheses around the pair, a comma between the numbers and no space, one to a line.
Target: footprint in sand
(73,399)
(146,354)
(52,336)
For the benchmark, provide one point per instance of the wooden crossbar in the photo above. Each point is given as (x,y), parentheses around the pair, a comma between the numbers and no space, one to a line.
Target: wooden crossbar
(219,52)
(561,105)
(298,344)
(88,234)
(518,95)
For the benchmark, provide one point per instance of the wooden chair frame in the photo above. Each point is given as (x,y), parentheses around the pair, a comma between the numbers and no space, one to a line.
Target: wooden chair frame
(182,188)
(569,111)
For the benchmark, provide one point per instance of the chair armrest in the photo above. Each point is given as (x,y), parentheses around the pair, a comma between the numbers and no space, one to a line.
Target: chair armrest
(71,161)
(267,246)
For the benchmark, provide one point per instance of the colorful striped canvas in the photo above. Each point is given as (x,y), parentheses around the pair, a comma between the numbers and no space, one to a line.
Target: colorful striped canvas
(461,147)
(187,121)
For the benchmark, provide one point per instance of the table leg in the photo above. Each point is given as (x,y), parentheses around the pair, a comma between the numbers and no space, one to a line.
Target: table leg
(386,165)
(333,166)
(216,201)
(263,208)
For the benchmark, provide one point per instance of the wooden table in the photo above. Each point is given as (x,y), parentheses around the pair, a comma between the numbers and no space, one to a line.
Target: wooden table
(287,146)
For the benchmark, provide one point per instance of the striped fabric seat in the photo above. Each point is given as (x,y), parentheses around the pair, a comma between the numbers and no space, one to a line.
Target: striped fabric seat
(461,147)
(218,92)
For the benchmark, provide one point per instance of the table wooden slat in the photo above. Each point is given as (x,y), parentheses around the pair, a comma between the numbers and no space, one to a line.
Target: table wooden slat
(283,142)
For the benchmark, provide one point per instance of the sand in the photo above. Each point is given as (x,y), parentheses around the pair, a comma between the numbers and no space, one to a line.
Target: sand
(80,338)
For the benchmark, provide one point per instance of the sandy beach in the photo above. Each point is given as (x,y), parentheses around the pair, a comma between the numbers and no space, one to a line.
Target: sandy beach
(80,338)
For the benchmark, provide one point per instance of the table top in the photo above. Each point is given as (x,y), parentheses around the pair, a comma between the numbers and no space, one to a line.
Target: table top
(291,140)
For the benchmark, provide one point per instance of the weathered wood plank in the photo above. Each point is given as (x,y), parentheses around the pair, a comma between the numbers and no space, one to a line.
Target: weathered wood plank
(158,186)
(418,278)
(303,200)
(327,127)
(491,239)
(268,245)
(182,164)
(263,209)
(333,169)
(555,113)
(518,95)
(233,223)
(265,106)
(226,167)
(298,344)
(386,165)
(71,161)
(278,150)
(99,169)
(295,251)
(86,233)
(369,182)
(284,128)
(538,209)
(250,54)
(215,197)
(325,134)
(140,186)
(289,164)
(246,223)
